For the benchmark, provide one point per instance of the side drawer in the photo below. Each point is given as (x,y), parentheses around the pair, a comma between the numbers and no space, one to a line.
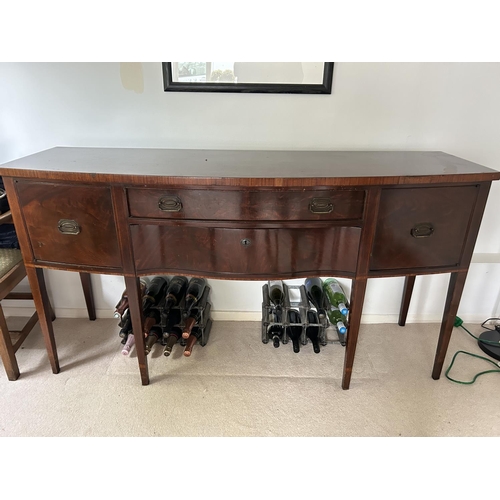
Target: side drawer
(422,227)
(70,224)
(219,204)
(244,253)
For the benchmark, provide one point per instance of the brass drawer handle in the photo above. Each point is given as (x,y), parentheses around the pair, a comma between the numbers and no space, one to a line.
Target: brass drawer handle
(170,204)
(422,230)
(68,226)
(321,206)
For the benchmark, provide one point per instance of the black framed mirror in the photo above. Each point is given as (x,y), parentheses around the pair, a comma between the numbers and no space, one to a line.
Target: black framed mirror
(249,77)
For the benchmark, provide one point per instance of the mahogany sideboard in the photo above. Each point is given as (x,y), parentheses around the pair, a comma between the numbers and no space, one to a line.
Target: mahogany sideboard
(248,215)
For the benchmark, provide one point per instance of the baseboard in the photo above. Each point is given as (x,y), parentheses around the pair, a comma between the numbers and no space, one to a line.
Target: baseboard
(245,315)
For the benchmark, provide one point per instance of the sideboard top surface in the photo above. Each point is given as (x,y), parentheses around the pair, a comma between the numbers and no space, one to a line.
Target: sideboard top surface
(246,167)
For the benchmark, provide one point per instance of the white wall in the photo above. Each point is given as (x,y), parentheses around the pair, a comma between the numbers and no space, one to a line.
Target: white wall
(451,107)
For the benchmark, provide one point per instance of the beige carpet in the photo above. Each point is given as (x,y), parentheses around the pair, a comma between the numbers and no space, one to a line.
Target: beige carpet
(237,386)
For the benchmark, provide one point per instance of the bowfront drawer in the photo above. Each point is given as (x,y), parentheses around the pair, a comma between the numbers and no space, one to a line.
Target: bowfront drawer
(422,227)
(179,247)
(70,224)
(219,204)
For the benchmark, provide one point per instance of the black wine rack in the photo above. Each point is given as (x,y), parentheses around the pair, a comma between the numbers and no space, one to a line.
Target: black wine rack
(176,316)
(295,298)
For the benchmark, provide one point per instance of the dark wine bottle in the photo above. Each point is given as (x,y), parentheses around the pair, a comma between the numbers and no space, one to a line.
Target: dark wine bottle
(154,293)
(312,331)
(191,341)
(122,305)
(173,318)
(315,294)
(152,318)
(171,331)
(194,292)
(195,314)
(173,336)
(126,325)
(276,292)
(275,332)
(175,292)
(294,331)
(153,336)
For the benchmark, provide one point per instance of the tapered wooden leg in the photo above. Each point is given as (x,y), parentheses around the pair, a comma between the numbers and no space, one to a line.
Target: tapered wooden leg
(133,289)
(7,353)
(455,288)
(44,310)
(357,298)
(89,294)
(405,303)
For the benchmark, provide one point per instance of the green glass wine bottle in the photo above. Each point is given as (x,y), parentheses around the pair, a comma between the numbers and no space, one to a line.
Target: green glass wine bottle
(335,294)
(337,318)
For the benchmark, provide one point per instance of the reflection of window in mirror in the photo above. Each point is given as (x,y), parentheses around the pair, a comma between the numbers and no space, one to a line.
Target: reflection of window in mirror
(269,72)
(248,72)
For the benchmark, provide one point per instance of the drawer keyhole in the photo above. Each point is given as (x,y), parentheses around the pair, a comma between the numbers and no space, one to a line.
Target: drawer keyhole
(245,242)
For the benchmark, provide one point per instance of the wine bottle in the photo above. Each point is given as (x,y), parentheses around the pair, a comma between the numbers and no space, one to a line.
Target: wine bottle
(173,318)
(275,332)
(312,331)
(294,331)
(154,293)
(276,292)
(175,292)
(191,341)
(128,344)
(335,294)
(153,336)
(315,294)
(122,305)
(173,336)
(152,318)
(195,314)
(336,318)
(126,325)
(194,292)
(171,331)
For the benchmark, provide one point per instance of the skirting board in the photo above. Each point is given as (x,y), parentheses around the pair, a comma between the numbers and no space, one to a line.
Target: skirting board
(242,315)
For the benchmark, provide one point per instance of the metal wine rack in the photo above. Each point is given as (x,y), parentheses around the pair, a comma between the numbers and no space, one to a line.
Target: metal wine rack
(292,301)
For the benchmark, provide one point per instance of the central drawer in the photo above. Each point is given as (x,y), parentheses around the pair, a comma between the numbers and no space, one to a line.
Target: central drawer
(244,253)
(262,204)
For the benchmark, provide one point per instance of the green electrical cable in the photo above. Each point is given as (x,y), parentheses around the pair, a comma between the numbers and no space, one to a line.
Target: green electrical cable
(459,323)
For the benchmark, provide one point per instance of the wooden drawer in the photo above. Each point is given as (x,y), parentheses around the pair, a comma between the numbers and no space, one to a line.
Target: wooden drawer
(55,212)
(254,252)
(422,227)
(219,204)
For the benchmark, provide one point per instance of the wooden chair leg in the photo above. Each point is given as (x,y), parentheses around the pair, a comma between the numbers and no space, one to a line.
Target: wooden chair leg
(89,295)
(7,352)
(405,303)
